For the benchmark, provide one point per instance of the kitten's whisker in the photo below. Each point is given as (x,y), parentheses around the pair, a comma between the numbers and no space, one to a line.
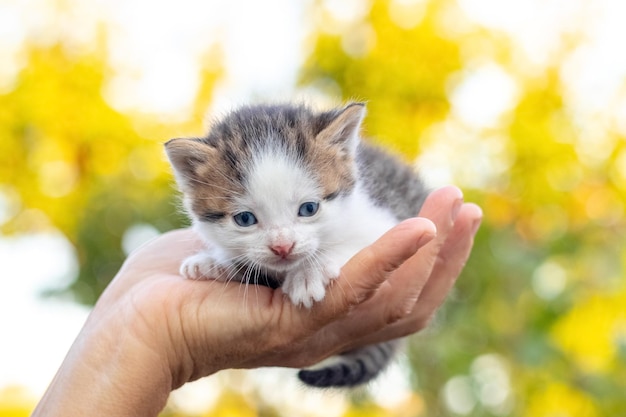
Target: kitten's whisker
(257,271)
(240,271)
(246,281)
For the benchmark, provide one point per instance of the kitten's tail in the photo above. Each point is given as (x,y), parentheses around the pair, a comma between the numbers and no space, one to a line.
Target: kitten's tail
(351,368)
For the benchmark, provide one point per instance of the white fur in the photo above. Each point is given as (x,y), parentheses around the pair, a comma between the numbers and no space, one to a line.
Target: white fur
(277,186)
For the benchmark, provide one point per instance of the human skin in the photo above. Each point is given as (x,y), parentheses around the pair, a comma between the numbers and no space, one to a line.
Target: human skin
(152,331)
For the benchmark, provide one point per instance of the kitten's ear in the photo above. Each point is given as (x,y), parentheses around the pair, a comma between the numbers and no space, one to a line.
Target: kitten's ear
(343,130)
(185,155)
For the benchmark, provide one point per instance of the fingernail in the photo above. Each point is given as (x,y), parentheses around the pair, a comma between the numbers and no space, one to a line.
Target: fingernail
(426,237)
(456,207)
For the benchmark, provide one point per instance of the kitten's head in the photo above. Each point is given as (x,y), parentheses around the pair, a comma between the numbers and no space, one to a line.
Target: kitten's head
(266,185)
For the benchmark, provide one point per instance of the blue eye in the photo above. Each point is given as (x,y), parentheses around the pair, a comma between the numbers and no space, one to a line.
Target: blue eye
(245,219)
(308,209)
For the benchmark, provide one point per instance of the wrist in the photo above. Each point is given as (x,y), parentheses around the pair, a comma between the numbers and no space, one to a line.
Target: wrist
(109,370)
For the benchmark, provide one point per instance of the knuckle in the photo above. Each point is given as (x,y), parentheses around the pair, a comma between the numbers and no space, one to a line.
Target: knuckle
(402,309)
(395,314)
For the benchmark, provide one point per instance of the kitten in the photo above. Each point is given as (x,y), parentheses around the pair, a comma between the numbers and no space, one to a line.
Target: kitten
(285,196)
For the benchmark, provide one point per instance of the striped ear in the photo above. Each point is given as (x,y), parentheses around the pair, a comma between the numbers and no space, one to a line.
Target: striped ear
(185,156)
(343,130)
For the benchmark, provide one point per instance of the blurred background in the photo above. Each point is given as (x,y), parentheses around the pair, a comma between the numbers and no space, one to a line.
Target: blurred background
(522,103)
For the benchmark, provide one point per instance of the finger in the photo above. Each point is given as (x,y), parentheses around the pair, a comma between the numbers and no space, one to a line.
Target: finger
(442,207)
(453,255)
(369,268)
(451,261)
(396,298)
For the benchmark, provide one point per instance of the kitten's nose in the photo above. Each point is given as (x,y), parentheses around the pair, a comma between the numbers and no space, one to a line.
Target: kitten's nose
(283,250)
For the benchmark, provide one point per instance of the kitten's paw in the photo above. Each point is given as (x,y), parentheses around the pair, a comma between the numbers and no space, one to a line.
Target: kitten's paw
(306,287)
(331,271)
(201,266)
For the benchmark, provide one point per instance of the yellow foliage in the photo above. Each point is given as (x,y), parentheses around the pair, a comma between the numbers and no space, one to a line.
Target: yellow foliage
(232,404)
(15,402)
(560,400)
(590,333)
(400,71)
(413,406)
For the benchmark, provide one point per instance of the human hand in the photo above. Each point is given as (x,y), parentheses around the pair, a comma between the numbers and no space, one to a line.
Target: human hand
(152,331)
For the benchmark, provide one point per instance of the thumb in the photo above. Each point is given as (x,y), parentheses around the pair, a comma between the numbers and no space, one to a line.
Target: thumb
(368,269)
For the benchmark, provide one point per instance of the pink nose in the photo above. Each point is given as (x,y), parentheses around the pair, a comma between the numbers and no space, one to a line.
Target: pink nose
(282,250)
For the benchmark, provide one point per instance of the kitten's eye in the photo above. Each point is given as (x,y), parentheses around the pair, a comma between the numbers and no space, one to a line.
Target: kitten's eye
(245,219)
(308,209)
